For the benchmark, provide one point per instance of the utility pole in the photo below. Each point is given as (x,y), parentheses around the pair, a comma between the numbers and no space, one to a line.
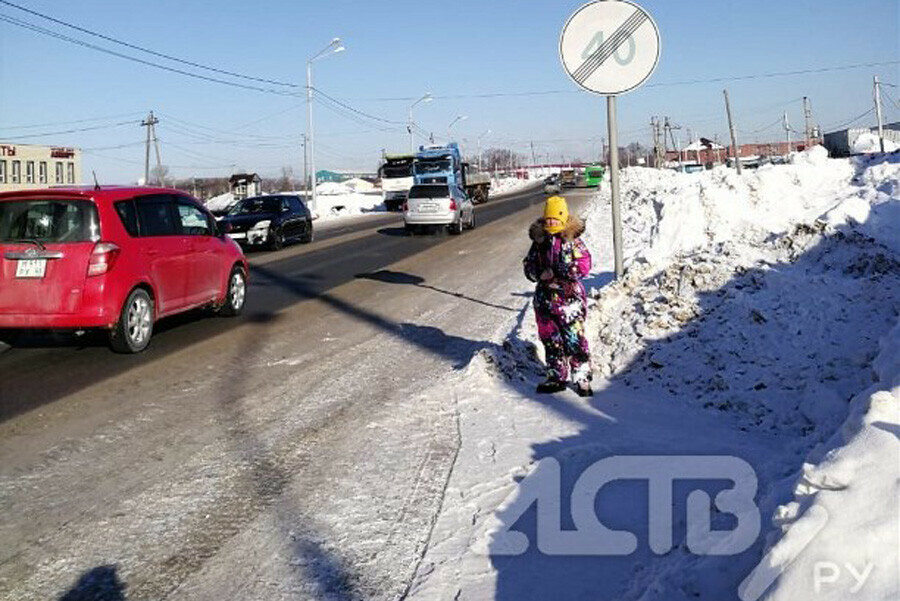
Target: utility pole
(675,145)
(807,115)
(533,157)
(149,123)
(787,130)
(734,146)
(878,113)
(159,173)
(305,168)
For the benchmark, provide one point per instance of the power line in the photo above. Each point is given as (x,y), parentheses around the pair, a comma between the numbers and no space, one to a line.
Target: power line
(65,38)
(147,50)
(649,85)
(56,123)
(70,131)
(357,111)
(851,121)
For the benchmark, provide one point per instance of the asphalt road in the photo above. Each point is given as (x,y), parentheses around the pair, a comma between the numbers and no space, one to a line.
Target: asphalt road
(286,454)
(44,367)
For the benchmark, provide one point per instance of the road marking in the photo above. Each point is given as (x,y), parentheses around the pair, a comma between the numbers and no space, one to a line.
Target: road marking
(602,54)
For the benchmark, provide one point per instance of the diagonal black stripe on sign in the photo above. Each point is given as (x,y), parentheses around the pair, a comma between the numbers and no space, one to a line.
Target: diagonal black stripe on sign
(600,56)
(605,50)
(619,36)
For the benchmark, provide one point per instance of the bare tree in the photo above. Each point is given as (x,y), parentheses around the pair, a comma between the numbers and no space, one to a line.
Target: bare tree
(499,159)
(160,175)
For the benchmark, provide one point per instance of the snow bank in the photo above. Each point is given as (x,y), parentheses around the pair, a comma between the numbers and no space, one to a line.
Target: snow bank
(220,202)
(868,142)
(780,282)
(847,502)
(333,189)
(337,204)
(508,185)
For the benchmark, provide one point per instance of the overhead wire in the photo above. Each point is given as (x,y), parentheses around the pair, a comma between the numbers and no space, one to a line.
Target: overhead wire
(72,122)
(147,50)
(59,36)
(70,131)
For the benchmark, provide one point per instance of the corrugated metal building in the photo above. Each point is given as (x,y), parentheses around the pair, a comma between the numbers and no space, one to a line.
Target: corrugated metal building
(840,143)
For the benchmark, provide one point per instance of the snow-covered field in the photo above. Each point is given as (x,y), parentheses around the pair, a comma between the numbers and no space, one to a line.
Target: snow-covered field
(758,319)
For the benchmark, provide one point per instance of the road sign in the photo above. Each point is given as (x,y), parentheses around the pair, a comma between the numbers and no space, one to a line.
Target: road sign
(609,47)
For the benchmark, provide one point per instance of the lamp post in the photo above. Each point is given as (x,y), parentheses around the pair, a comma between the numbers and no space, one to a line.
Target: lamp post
(426,98)
(452,123)
(332,48)
(486,132)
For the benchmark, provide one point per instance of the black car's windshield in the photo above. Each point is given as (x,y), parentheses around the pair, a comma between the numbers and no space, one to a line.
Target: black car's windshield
(49,220)
(429,192)
(423,167)
(252,206)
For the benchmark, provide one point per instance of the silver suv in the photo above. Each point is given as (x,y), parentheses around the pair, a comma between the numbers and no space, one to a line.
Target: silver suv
(438,205)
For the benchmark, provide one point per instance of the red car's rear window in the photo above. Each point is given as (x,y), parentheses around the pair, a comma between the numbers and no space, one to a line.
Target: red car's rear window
(49,220)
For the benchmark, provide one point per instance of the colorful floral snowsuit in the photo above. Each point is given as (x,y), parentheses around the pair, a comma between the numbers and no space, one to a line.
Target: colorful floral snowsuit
(560,303)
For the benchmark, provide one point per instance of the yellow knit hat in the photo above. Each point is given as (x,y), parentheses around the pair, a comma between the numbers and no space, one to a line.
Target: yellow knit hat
(556,208)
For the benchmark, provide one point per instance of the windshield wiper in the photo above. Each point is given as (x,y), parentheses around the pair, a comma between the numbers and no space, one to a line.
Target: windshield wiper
(34,241)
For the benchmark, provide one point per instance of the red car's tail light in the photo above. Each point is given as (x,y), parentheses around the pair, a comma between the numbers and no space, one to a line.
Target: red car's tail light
(102,258)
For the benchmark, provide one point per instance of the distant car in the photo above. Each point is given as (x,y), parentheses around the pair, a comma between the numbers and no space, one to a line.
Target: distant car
(270,221)
(551,184)
(438,205)
(112,258)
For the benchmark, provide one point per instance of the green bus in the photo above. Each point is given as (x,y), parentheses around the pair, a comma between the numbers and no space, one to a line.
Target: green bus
(593,175)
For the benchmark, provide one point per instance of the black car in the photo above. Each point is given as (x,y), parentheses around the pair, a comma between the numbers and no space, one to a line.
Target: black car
(270,221)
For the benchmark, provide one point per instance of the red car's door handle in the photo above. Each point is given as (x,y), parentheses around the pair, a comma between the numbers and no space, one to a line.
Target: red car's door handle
(151,251)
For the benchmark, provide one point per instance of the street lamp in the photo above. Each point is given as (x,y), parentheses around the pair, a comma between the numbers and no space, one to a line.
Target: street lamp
(452,123)
(333,48)
(486,132)
(426,98)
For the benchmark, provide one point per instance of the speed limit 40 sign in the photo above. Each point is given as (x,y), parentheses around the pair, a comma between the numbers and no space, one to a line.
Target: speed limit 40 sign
(609,47)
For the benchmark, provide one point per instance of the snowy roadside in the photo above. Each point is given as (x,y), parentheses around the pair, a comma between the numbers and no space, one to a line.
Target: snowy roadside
(503,186)
(758,315)
(339,202)
(336,202)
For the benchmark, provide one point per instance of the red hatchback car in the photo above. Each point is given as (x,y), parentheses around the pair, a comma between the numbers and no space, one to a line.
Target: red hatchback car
(115,258)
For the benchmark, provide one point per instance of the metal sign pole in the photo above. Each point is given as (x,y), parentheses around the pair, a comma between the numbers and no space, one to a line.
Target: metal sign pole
(612,126)
(610,48)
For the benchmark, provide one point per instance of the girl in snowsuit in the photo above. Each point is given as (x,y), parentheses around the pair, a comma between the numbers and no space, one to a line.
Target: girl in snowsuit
(557,261)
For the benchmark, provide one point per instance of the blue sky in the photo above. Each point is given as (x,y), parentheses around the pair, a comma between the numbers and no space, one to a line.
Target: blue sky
(398,50)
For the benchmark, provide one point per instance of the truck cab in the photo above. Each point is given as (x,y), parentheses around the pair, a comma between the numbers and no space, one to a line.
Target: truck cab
(396,180)
(437,164)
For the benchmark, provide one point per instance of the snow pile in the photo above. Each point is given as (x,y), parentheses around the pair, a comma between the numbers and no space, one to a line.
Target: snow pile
(333,189)
(764,298)
(508,185)
(868,143)
(220,202)
(336,205)
(848,502)
(359,185)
